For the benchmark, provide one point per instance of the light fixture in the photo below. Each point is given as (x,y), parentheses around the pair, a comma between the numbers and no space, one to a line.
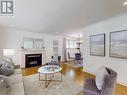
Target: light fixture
(79,43)
(125,3)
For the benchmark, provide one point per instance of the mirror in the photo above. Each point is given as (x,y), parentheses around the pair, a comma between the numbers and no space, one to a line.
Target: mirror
(32,43)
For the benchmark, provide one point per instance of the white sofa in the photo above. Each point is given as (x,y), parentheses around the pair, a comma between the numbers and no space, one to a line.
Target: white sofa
(15,84)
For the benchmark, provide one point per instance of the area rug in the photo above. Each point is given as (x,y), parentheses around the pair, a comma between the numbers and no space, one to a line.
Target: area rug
(33,86)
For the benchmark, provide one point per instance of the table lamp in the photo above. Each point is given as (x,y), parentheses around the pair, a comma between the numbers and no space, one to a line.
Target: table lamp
(8,53)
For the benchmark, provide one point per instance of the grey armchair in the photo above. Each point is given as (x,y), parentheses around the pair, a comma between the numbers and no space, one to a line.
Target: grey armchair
(108,87)
(55,60)
(53,63)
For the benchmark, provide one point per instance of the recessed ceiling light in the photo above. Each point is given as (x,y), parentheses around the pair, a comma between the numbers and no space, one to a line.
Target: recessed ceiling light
(125,3)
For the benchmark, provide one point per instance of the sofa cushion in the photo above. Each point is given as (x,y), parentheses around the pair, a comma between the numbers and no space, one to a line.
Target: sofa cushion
(100,77)
(15,78)
(3,88)
(15,83)
(17,89)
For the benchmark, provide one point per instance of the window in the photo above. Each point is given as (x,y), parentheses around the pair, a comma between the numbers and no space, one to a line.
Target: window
(71,44)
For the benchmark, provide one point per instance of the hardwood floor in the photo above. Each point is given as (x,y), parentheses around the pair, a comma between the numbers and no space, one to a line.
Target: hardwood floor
(77,75)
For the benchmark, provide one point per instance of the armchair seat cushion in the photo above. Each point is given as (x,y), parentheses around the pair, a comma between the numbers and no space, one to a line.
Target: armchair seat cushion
(3,87)
(90,87)
(6,80)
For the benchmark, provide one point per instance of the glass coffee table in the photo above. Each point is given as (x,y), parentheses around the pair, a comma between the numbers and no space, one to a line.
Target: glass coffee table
(49,72)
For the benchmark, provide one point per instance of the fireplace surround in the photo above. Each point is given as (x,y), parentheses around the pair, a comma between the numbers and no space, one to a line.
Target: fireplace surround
(32,52)
(33,60)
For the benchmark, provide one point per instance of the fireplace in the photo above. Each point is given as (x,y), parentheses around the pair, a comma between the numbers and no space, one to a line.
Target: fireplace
(33,60)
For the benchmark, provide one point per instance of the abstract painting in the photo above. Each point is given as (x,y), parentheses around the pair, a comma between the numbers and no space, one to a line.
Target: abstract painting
(97,45)
(118,44)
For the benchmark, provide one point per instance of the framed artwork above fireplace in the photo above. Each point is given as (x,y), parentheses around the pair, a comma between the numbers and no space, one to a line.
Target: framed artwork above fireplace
(33,43)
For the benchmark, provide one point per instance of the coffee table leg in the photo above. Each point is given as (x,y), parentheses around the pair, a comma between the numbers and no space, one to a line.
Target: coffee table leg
(39,76)
(47,82)
(61,75)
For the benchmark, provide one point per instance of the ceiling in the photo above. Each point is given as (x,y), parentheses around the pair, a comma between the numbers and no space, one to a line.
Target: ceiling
(64,17)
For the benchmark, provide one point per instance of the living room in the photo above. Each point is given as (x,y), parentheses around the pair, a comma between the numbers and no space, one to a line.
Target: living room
(86,39)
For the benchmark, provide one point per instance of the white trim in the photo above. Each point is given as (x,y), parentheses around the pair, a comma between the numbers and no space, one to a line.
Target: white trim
(124,84)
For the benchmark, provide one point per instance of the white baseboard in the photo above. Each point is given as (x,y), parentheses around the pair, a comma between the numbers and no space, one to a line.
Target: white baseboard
(124,84)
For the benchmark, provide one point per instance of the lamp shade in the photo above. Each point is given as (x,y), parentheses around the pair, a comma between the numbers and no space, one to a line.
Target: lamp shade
(8,52)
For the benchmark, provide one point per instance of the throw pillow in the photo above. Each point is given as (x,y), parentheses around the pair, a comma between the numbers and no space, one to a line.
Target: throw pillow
(100,77)
(7,68)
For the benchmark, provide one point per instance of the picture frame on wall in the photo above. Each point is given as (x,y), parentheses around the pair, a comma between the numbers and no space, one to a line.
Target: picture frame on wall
(97,45)
(118,44)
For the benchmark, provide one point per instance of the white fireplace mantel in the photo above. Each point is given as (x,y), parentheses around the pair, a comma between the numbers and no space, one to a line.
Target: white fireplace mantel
(32,51)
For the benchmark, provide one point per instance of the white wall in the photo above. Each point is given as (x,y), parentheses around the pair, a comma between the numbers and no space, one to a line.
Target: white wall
(91,63)
(13,39)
